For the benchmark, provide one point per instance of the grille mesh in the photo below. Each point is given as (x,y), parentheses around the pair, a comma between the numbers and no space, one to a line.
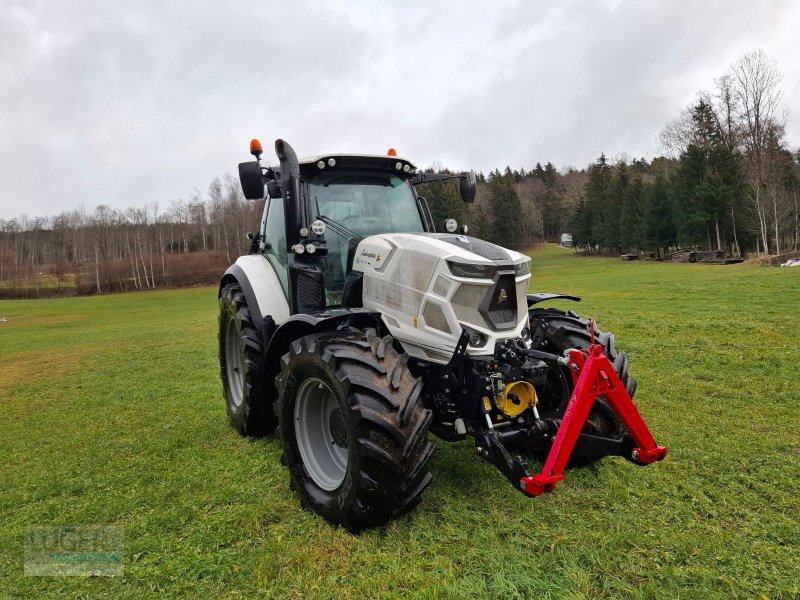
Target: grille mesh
(522,303)
(441,286)
(466,301)
(434,317)
(309,291)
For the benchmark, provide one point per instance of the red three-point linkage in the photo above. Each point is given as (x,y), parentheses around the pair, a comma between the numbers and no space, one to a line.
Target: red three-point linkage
(594,376)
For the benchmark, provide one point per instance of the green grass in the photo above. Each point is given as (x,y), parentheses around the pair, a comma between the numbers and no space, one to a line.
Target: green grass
(110,413)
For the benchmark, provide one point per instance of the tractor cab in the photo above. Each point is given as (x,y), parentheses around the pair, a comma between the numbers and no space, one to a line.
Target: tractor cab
(320,207)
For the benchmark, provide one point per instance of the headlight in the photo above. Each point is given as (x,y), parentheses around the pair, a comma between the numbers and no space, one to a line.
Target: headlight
(477,340)
(523,268)
(475,270)
(318,227)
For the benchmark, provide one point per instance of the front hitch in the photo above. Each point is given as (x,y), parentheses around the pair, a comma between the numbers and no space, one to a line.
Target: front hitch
(594,376)
(490,445)
(490,448)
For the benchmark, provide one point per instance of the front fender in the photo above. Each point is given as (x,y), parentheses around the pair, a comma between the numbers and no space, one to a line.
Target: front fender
(544,296)
(261,287)
(300,325)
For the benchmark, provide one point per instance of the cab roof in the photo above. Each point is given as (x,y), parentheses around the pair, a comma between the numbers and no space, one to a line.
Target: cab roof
(310,165)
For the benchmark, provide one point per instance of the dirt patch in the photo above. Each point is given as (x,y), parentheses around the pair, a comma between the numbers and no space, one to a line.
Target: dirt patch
(20,367)
(26,321)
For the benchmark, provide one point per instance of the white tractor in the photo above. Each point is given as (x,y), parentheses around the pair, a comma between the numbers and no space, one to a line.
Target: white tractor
(354,329)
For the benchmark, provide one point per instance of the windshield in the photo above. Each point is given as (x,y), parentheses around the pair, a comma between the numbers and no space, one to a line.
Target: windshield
(366,204)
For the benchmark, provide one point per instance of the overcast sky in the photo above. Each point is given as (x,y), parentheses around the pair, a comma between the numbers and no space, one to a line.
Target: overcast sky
(131,102)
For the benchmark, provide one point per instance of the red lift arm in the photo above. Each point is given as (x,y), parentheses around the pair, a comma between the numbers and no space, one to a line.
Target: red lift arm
(594,376)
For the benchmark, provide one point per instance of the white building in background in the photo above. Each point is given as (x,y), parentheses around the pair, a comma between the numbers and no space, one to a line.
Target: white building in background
(566,240)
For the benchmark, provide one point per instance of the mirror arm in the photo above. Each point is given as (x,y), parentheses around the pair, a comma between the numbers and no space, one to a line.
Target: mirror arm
(421,178)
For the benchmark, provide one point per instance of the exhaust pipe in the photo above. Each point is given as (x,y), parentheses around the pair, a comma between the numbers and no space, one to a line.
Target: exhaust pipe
(290,189)
(289,163)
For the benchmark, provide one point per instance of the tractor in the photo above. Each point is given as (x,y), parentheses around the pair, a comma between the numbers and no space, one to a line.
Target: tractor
(354,330)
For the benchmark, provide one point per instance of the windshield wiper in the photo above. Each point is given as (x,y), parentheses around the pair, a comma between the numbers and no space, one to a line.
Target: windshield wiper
(341,230)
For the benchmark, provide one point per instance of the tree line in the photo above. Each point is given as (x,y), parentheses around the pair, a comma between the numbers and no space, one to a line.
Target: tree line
(729,181)
(726,180)
(189,242)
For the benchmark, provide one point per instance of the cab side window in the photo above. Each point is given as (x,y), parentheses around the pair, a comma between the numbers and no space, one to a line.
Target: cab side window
(274,234)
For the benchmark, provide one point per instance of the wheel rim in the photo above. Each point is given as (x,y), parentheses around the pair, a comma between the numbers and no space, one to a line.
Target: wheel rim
(234,363)
(321,435)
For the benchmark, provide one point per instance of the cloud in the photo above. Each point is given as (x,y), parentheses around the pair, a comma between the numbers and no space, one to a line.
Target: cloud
(134,102)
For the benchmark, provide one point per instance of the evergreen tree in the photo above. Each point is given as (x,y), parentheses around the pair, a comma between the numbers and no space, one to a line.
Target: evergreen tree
(659,228)
(632,235)
(610,211)
(593,226)
(708,186)
(506,211)
(581,226)
(445,202)
(549,174)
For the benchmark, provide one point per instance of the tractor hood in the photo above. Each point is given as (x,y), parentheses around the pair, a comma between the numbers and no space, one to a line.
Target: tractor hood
(429,286)
(459,248)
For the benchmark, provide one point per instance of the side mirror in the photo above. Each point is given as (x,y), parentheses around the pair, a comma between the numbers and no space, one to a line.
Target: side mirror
(252,180)
(467,186)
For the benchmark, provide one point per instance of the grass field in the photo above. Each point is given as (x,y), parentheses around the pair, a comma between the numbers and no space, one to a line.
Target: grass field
(111,414)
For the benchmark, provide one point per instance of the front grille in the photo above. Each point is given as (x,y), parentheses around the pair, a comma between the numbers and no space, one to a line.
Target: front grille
(500,307)
(309,291)
(495,306)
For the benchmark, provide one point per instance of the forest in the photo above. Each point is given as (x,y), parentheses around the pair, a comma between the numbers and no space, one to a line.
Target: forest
(724,178)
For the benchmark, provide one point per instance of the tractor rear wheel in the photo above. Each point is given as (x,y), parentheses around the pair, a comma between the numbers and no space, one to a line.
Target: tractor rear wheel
(241,360)
(353,428)
(555,331)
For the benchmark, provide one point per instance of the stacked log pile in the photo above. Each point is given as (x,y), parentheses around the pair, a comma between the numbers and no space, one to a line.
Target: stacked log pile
(708,257)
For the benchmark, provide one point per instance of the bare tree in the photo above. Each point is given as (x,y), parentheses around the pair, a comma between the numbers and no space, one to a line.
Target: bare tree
(180,213)
(755,86)
(199,215)
(216,200)
(531,191)
(677,134)
(723,104)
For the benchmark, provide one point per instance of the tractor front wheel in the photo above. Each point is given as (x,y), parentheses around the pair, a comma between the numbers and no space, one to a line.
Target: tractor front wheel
(353,428)
(241,350)
(555,331)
